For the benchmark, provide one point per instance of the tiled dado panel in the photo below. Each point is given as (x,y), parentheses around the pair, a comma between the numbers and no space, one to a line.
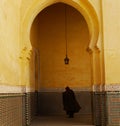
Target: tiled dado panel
(50,103)
(99,108)
(11,110)
(30,106)
(113,108)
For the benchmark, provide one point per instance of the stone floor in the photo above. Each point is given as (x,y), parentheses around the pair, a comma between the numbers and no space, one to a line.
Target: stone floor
(62,121)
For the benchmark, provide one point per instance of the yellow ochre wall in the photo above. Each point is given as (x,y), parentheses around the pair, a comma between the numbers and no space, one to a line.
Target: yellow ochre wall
(49,27)
(10,42)
(16,49)
(111,30)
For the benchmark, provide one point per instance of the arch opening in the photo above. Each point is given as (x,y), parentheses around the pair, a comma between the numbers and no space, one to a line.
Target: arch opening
(85,8)
(91,31)
(48,33)
(48,40)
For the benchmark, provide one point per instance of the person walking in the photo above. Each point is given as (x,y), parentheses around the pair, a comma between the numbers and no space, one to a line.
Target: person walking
(70,103)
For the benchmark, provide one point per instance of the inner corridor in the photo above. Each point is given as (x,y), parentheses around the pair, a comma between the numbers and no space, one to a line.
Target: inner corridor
(78,120)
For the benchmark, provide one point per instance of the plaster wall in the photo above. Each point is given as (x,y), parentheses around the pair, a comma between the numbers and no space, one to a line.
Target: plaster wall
(19,56)
(12,15)
(111,29)
(52,47)
(9,42)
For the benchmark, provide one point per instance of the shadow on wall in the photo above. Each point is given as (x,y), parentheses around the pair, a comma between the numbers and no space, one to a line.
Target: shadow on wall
(50,103)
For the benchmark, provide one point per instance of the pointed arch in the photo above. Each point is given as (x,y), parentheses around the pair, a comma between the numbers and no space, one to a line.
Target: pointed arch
(84,7)
(90,16)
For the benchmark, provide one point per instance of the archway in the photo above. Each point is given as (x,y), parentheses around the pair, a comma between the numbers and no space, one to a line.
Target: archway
(83,8)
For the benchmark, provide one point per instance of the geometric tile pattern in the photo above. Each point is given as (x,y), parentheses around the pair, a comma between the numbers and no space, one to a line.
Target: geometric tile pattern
(11,110)
(30,107)
(19,109)
(113,108)
(99,108)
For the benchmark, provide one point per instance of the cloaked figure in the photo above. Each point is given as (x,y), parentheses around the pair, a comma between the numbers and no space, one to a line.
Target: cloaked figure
(70,103)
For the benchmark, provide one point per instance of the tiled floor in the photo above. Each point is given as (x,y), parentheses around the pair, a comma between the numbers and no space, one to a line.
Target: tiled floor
(62,121)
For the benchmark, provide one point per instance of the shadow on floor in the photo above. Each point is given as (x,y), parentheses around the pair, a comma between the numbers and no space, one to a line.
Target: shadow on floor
(78,120)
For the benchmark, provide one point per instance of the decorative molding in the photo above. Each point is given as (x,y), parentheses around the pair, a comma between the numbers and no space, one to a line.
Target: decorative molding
(89,50)
(12,89)
(15,89)
(96,87)
(96,49)
(112,87)
(25,54)
(28,89)
(99,87)
(23,89)
(88,12)
(77,89)
(107,87)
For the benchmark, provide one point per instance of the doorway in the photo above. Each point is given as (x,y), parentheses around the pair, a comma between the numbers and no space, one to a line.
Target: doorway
(51,74)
